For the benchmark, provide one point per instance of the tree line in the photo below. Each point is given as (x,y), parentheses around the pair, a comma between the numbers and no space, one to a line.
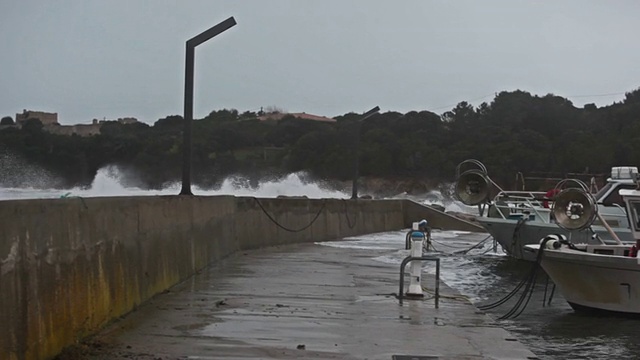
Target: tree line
(515,132)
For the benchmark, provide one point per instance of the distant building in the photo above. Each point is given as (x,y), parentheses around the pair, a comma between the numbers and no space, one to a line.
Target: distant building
(50,123)
(44,117)
(86,129)
(126,120)
(277,116)
(78,129)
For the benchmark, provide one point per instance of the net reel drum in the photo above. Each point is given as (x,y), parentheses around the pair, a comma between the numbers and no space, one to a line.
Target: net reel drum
(473,187)
(574,209)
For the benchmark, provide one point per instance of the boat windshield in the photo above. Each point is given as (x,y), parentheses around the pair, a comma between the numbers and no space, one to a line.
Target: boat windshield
(603,191)
(613,198)
(635,210)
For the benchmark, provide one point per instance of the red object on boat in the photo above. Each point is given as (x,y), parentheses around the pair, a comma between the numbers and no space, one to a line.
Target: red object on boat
(550,195)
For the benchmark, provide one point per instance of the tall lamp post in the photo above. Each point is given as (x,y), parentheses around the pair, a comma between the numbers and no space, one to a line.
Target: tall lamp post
(188,97)
(356,152)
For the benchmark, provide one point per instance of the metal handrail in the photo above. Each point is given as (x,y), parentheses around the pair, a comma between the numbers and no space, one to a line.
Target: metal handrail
(527,194)
(409,259)
(514,208)
(519,207)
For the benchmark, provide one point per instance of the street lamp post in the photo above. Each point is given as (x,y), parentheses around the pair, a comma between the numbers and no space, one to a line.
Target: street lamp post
(188,97)
(356,152)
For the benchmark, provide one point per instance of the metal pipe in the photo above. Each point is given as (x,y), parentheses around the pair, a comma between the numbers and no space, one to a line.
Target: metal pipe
(609,229)
(188,119)
(437,283)
(356,151)
(356,162)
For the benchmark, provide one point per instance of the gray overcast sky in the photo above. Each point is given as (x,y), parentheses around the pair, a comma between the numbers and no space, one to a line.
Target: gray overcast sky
(88,59)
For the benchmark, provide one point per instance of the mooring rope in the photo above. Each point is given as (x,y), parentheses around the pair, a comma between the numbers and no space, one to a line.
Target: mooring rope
(68,196)
(324,204)
(473,247)
(529,283)
(544,297)
(505,298)
(346,213)
(553,290)
(443,244)
(459,297)
(516,235)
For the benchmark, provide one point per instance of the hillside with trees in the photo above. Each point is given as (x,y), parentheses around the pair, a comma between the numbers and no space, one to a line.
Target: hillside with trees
(515,132)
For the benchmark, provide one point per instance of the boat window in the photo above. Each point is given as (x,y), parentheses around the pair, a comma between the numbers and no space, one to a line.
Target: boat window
(603,251)
(603,191)
(615,198)
(635,211)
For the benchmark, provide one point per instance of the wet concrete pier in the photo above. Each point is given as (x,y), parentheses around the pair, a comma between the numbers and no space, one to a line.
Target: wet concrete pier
(306,301)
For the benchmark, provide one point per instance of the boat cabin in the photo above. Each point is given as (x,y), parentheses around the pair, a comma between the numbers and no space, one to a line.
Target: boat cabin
(632,200)
(622,177)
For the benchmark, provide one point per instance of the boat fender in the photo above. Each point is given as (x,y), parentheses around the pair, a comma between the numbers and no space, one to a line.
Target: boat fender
(633,251)
(553,245)
(552,242)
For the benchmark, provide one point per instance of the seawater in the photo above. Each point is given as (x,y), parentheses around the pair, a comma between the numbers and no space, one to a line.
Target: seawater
(108,183)
(482,275)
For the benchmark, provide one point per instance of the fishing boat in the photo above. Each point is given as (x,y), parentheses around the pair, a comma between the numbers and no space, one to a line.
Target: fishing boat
(519,218)
(601,278)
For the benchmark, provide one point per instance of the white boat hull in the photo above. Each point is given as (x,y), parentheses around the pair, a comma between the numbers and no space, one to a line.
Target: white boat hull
(595,282)
(513,237)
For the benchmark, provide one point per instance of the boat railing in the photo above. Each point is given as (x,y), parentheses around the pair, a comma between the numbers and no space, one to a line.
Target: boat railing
(531,205)
(520,196)
(517,204)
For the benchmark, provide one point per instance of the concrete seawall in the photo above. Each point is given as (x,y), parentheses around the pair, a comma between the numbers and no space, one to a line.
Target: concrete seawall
(70,266)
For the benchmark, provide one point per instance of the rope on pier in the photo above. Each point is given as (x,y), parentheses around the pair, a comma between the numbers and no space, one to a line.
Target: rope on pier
(324,204)
(458,297)
(474,246)
(346,212)
(529,283)
(443,244)
(68,196)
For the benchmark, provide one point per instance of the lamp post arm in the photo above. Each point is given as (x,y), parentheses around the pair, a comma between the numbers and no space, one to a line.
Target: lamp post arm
(188,97)
(356,152)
